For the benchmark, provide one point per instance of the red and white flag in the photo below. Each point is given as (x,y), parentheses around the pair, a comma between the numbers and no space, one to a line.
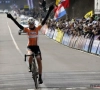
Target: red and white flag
(65,3)
(59,12)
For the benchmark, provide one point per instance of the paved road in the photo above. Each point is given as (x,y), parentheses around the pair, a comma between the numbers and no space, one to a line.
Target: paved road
(63,68)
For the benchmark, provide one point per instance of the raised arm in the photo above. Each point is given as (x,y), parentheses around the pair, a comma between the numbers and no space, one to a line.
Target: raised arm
(11,17)
(49,11)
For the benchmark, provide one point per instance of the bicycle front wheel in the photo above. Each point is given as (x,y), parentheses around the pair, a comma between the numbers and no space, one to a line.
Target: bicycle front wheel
(35,81)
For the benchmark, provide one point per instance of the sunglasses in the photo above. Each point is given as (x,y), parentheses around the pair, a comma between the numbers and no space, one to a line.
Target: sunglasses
(31,23)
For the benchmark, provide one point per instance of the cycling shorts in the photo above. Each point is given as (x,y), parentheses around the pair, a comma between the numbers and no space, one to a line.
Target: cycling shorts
(35,49)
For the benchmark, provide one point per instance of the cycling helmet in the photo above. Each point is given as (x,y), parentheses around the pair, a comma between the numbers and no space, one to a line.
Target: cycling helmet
(31,20)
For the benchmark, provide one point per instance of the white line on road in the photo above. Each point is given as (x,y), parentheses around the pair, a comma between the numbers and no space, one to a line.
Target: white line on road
(14,41)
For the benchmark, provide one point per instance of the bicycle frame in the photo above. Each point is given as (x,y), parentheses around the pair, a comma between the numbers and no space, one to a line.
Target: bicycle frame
(34,70)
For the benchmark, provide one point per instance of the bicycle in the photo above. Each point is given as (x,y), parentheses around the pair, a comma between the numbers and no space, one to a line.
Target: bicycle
(34,70)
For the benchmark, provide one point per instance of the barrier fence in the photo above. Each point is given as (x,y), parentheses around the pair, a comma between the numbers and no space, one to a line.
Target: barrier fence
(90,45)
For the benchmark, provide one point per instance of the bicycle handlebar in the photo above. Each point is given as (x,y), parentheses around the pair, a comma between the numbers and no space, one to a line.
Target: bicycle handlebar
(28,55)
(25,57)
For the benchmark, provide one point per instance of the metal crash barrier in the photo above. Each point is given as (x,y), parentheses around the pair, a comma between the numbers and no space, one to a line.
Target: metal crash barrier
(90,45)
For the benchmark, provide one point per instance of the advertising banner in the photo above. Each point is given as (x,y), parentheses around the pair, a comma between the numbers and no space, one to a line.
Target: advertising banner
(51,33)
(71,42)
(97,6)
(81,43)
(95,46)
(67,39)
(55,34)
(75,41)
(78,42)
(48,33)
(86,45)
(59,35)
(98,50)
(44,29)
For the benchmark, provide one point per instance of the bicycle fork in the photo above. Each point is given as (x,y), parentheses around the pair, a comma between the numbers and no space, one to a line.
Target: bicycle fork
(34,68)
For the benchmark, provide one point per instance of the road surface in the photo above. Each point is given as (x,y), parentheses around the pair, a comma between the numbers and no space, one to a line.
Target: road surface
(64,68)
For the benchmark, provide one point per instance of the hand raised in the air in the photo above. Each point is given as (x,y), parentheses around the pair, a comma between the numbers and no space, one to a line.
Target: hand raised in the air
(9,15)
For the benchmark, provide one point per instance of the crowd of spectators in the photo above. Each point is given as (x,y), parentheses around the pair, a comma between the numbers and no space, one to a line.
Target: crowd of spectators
(88,27)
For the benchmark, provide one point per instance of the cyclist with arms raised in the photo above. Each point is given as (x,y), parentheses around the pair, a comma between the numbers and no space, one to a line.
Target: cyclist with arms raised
(32,32)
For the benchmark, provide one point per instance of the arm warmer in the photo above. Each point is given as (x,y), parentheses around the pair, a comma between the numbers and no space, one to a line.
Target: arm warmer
(20,26)
(43,22)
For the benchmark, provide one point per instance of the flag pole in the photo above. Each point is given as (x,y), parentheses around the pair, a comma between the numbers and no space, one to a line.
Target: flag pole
(97,7)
